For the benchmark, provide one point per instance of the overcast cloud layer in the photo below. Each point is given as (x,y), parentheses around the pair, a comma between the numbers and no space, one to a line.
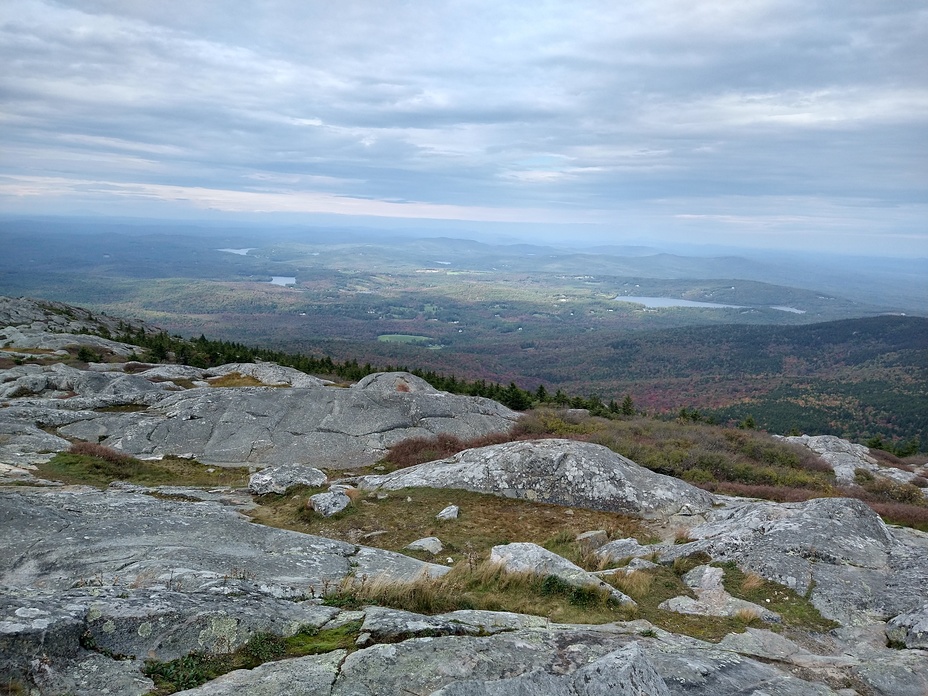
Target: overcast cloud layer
(789,123)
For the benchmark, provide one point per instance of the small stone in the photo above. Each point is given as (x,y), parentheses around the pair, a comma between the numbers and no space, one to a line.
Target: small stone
(328,504)
(449,513)
(432,545)
(592,540)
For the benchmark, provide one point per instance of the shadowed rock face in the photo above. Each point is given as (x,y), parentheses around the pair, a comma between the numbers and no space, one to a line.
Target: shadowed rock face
(564,472)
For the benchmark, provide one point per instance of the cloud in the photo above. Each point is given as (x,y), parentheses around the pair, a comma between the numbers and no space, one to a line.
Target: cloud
(471,105)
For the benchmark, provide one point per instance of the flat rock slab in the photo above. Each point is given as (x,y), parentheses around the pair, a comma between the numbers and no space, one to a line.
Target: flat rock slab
(483,665)
(565,472)
(383,625)
(271,374)
(623,672)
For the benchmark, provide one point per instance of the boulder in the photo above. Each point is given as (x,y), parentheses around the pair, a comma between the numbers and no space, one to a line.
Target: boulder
(846,457)
(280,479)
(449,513)
(565,472)
(590,541)
(620,549)
(525,557)
(329,503)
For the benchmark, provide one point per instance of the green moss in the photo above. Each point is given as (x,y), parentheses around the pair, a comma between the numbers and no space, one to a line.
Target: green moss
(312,641)
(192,670)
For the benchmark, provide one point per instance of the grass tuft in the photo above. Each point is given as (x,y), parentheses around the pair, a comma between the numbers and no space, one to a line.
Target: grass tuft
(97,465)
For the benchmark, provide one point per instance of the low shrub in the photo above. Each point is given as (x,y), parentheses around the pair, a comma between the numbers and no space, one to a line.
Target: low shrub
(418,450)
(107,454)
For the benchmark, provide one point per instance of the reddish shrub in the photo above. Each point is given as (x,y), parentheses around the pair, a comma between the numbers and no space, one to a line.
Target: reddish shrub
(108,454)
(780,494)
(902,514)
(417,450)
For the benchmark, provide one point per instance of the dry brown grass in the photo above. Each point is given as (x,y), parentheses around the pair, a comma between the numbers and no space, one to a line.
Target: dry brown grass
(485,521)
(635,583)
(751,582)
(484,585)
(747,615)
(234,379)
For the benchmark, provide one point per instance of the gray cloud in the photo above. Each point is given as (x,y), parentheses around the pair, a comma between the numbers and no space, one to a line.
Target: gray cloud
(666,115)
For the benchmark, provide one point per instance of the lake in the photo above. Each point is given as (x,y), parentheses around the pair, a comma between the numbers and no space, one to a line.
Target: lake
(658,302)
(283,280)
(655,302)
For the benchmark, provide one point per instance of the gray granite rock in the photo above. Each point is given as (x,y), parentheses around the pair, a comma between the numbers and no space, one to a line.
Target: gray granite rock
(857,569)
(530,558)
(430,545)
(565,472)
(623,672)
(686,666)
(60,539)
(767,645)
(303,676)
(712,598)
(339,428)
(383,625)
(91,674)
(592,540)
(329,503)
(846,457)
(449,513)
(910,629)
(280,479)
(271,374)
(58,380)
(620,549)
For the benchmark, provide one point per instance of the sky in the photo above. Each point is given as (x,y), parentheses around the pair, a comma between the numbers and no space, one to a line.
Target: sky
(795,124)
